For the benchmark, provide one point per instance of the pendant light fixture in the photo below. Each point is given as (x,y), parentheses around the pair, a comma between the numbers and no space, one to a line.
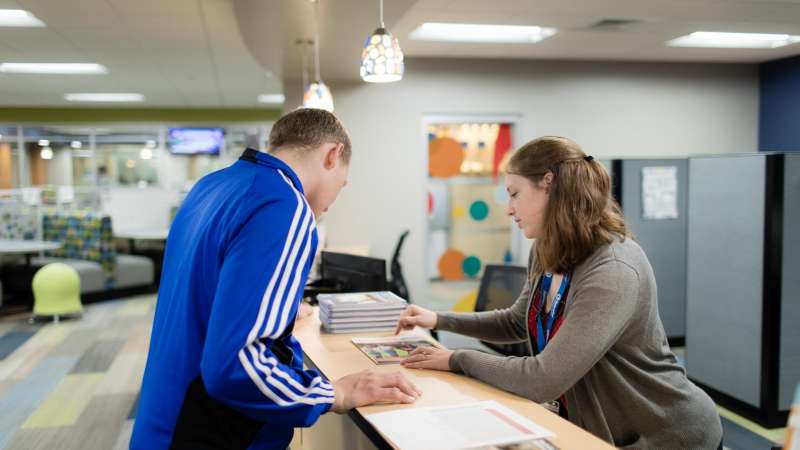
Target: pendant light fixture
(382,58)
(317,95)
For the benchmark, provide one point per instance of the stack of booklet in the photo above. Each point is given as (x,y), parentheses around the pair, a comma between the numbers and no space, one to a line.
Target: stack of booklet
(360,311)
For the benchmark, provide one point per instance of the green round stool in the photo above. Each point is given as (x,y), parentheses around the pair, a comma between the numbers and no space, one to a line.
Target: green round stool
(56,291)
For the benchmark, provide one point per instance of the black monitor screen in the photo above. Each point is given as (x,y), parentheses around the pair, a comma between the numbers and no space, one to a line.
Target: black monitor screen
(354,273)
(500,287)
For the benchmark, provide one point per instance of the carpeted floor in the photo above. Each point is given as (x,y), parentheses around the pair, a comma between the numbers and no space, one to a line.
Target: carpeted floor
(73,385)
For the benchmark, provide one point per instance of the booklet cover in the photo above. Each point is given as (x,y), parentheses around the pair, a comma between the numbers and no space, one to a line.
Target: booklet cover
(390,350)
(361,301)
(486,424)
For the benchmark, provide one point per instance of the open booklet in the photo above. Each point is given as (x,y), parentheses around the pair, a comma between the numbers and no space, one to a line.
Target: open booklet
(482,425)
(391,349)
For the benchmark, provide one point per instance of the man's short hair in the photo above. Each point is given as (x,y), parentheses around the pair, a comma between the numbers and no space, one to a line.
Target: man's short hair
(307,129)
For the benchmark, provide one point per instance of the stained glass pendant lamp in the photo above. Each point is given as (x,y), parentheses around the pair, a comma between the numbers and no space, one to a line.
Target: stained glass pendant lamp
(317,94)
(382,58)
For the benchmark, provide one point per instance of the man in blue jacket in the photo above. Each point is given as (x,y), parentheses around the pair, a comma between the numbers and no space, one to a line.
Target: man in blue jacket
(223,370)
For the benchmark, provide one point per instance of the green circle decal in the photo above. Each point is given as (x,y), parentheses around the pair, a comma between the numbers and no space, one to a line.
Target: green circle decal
(472,266)
(479,210)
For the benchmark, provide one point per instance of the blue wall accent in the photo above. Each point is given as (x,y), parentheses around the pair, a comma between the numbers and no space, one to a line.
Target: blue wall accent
(779,112)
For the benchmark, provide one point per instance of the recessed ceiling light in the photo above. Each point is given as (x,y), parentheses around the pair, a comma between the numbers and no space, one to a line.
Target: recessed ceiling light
(464,32)
(713,39)
(104,97)
(18,18)
(54,68)
(273,99)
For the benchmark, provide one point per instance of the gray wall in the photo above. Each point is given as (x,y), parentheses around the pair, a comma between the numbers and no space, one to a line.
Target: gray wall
(790,289)
(725,266)
(611,109)
(664,241)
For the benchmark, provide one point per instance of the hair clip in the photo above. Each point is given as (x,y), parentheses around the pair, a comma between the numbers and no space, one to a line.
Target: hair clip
(589,158)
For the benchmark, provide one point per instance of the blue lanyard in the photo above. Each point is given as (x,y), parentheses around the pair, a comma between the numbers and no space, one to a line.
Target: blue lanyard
(543,330)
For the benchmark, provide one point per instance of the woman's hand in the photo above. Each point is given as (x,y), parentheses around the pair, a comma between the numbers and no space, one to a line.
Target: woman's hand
(428,358)
(416,316)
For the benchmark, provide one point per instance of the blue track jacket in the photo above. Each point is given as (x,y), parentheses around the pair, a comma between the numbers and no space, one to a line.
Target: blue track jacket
(222,363)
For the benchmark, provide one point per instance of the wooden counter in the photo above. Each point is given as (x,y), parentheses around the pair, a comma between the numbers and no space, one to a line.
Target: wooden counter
(335,356)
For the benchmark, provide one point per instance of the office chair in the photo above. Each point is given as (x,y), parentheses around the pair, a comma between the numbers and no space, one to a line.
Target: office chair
(500,286)
(397,283)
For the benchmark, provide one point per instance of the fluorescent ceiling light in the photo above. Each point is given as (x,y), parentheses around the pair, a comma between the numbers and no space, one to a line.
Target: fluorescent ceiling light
(712,39)
(104,97)
(273,99)
(54,68)
(76,144)
(18,18)
(44,143)
(463,32)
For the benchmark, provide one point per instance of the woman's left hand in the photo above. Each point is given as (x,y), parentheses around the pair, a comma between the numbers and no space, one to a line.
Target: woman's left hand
(428,358)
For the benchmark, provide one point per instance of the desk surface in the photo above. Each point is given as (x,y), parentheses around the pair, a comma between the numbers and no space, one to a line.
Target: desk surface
(335,356)
(9,246)
(143,234)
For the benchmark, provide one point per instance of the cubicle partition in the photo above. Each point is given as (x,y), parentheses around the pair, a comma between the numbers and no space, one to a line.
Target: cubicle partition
(653,196)
(743,309)
(790,284)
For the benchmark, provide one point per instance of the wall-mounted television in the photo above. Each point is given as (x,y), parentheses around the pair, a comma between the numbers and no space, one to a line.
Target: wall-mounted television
(195,141)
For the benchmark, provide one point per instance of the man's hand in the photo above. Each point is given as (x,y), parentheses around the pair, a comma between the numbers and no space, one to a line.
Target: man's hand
(428,358)
(367,387)
(416,316)
(304,310)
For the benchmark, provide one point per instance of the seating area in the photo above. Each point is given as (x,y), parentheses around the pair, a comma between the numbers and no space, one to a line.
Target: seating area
(85,243)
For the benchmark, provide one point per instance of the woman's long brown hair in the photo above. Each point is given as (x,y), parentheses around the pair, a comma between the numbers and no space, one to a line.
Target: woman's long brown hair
(581,213)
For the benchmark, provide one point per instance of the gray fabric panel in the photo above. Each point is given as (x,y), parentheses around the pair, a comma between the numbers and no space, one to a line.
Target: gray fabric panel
(92,275)
(790,289)
(133,270)
(725,267)
(664,241)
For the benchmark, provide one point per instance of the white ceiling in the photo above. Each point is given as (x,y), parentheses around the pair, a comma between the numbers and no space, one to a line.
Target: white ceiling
(221,53)
(175,52)
(661,20)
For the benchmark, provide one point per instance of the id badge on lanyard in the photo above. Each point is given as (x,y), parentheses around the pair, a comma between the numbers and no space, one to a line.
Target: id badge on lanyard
(543,330)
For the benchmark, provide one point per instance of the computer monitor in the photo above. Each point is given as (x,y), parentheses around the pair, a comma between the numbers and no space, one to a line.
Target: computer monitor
(353,273)
(500,287)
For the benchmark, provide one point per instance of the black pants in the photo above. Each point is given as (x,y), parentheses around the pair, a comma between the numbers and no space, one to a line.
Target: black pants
(206,424)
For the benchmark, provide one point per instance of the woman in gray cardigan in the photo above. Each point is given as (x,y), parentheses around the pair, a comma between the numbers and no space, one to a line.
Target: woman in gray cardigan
(589,312)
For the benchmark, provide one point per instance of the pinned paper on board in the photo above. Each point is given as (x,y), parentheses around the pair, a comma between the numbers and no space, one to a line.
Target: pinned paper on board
(660,193)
